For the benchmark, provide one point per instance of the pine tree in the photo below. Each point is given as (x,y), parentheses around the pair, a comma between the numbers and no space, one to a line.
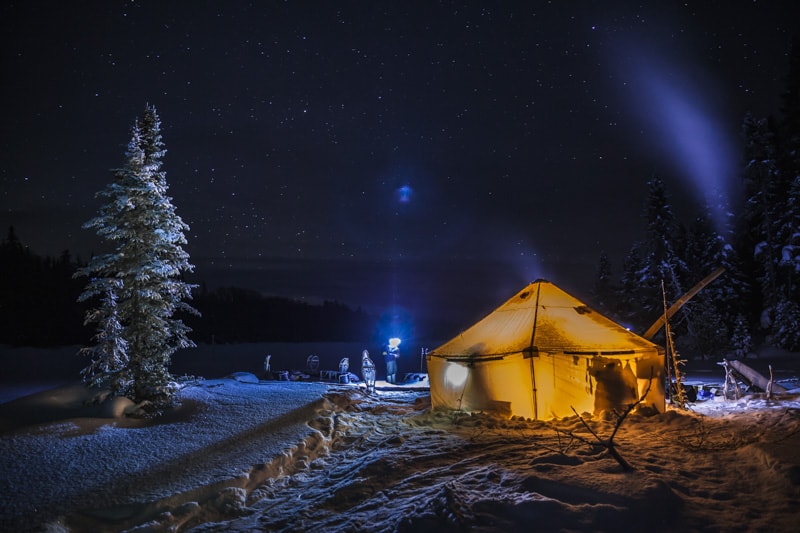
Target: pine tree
(629,299)
(143,272)
(661,261)
(772,214)
(109,356)
(741,339)
(789,126)
(604,290)
(789,237)
(787,311)
(788,231)
(713,309)
(761,208)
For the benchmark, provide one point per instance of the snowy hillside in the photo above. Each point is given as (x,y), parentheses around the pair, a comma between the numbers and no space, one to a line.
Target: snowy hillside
(278,456)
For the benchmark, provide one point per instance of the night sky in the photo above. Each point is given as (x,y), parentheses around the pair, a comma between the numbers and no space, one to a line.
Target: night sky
(431,156)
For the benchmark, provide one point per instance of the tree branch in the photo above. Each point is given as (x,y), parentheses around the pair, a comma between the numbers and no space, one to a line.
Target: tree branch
(609,444)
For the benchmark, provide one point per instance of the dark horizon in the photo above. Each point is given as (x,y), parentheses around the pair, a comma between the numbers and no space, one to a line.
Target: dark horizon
(379,286)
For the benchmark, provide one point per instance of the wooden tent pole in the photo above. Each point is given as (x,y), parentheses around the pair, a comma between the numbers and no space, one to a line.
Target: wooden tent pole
(672,356)
(652,330)
(530,346)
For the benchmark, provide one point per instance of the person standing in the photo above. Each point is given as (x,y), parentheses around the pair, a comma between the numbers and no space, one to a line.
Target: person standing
(391,353)
(368,371)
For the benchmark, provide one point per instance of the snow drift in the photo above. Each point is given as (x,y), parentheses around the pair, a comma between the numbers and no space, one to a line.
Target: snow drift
(276,456)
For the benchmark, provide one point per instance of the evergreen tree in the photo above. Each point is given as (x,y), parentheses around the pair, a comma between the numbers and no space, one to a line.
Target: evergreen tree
(661,260)
(144,271)
(756,237)
(37,297)
(788,231)
(604,290)
(629,293)
(109,357)
(786,325)
(761,205)
(713,309)
(12,241)
(741,339)
(772,215)
(789,126)
(788,236)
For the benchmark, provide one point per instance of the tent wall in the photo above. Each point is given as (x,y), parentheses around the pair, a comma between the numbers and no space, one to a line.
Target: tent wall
(559,382)
(501,385)
(649,371)
(574,357)
(594,383)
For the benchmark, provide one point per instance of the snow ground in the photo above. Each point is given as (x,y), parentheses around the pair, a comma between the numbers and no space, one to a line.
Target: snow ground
(300,456)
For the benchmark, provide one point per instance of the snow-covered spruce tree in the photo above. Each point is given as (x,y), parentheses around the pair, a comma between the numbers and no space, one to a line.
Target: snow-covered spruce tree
(628,303)
(661,260)
(741,339)
(786,326)
(763,203)
(144,270)
(109,356)
(787,316)
(715,310)
(604,289)
(772,214)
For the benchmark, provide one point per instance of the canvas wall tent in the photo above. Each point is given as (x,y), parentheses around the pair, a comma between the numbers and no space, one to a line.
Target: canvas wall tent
(542,353)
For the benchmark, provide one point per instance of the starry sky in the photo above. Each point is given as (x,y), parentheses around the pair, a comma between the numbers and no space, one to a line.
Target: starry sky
(426,156)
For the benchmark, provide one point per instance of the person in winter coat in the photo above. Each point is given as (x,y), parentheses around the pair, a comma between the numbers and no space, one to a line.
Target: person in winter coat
(391,352)
(368,371)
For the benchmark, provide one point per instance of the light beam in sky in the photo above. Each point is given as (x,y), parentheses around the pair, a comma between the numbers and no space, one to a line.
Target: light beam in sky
(678,112)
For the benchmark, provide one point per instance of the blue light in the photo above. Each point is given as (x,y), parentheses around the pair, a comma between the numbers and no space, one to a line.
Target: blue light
(394,323)
(404,194)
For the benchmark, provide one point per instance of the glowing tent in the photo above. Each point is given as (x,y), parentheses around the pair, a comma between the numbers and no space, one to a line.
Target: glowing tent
(542,353)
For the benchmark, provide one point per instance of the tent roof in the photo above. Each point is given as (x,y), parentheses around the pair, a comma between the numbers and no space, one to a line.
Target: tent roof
(542,317)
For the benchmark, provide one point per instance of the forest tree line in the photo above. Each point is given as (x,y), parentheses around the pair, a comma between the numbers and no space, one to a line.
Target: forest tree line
(38,297)
(39,307)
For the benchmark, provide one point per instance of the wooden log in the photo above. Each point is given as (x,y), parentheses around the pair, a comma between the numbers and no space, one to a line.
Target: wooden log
(753,377)
(658,324)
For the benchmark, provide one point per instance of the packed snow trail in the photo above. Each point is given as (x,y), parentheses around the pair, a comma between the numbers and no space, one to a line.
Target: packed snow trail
(222,428)
(386,462)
